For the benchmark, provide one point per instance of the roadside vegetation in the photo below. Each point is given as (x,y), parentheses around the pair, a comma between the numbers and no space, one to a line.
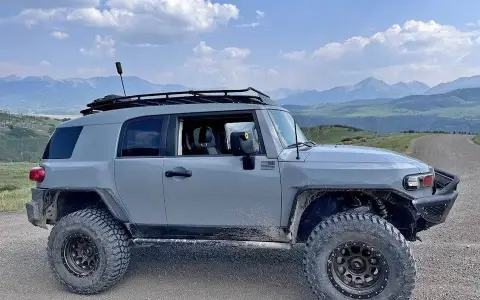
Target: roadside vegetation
(476,139)
(14,185)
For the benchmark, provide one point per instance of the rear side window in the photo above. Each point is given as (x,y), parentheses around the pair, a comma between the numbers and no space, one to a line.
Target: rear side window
(62,143)
(143,137)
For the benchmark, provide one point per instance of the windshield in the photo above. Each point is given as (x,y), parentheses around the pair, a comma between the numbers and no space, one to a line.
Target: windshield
(284,125)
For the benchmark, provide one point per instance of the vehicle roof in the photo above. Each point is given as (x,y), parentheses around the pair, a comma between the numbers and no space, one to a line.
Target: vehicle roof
(124,114)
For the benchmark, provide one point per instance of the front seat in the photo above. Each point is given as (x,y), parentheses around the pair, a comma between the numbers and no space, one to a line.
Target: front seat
(206,140)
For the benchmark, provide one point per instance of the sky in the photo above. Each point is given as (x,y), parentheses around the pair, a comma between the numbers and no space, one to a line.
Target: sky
(268,44)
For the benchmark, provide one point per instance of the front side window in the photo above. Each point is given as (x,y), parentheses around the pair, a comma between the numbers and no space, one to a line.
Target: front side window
(143,137)
(285,127)
(210,134)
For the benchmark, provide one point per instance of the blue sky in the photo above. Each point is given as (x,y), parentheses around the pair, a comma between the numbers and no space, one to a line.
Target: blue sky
(268,44)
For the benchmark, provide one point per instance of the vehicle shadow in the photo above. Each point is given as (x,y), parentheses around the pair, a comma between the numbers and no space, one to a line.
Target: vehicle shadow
(206,272)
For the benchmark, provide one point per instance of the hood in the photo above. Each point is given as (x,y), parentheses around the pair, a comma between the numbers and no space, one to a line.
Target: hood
(359,154)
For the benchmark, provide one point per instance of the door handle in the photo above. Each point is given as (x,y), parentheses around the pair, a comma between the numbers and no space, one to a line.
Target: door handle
(183,173)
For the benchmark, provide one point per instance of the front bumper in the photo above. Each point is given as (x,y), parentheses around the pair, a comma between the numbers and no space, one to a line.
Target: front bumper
(37,208)
(435,209)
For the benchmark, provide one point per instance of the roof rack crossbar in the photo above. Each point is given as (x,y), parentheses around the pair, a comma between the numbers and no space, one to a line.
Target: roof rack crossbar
(112,102)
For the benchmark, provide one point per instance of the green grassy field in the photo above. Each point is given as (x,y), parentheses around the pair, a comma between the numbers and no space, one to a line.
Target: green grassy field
(476,139)
(345,135)
(15,185)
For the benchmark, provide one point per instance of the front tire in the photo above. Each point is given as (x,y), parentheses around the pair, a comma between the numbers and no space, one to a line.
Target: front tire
(359,256)
(88,251)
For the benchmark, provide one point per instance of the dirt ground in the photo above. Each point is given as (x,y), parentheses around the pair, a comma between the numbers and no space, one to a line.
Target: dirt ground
(448,259)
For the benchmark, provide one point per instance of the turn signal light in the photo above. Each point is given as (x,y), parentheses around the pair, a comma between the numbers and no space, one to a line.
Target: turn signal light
(419,181)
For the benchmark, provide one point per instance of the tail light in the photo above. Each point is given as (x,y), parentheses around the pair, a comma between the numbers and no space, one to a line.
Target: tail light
(419,181)
(37,174)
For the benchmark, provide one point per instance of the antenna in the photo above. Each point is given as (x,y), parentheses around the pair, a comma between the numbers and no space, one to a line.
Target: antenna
(120,72)
(296,137)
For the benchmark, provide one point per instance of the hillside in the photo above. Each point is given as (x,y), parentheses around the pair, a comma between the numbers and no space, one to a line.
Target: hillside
(347,135)
(23,138)
(457,110)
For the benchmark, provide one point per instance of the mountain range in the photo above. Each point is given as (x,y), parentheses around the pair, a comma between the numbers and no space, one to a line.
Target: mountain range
(369,88)
(370,104)
(68,96)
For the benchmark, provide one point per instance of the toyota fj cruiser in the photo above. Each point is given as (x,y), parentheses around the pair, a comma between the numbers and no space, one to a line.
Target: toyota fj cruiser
(229,167)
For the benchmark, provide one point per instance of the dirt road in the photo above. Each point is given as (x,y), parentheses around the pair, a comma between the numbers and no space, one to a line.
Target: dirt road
(448,259)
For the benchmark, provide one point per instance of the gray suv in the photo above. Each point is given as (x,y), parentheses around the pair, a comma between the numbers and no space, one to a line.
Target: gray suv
(229,167)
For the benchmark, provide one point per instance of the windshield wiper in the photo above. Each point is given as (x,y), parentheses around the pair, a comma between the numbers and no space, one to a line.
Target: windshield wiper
(307,143)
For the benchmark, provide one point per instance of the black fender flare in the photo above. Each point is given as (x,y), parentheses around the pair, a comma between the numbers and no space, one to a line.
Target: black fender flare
(307,194)
(113,205)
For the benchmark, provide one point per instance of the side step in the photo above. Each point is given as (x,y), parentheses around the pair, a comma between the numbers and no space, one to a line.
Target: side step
(246,244)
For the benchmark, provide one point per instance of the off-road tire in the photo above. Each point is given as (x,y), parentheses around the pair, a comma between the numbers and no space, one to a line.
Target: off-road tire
(111,241)
(361,228)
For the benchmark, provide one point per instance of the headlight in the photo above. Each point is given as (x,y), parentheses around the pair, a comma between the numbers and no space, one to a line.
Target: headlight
(419,181)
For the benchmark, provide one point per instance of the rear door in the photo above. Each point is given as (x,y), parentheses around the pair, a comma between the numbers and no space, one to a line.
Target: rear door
(139,169)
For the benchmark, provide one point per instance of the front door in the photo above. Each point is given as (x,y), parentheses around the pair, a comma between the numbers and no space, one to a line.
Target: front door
(217,191)
(210,190)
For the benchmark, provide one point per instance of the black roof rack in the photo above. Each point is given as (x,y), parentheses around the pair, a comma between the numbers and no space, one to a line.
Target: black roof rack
(112,102)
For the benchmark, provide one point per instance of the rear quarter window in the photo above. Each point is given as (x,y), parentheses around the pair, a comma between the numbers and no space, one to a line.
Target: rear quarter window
(62,143)
(143,137)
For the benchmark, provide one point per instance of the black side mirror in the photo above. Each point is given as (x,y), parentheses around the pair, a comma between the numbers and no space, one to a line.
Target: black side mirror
(241,144)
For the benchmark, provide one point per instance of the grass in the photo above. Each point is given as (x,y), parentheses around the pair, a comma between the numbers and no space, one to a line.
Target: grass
(476,139)
(345,135)
(14,185)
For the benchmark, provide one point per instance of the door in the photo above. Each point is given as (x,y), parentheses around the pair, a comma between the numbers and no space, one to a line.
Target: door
(139,169)
(219,192)
(213,190)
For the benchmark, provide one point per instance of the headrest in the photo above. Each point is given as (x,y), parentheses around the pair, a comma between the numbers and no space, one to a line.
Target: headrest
(205,136)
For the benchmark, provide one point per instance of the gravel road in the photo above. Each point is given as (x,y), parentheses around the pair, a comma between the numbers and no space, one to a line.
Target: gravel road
(448,258)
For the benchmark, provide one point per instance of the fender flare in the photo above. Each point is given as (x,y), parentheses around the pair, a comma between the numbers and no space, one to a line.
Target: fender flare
(113,205)
(307,194)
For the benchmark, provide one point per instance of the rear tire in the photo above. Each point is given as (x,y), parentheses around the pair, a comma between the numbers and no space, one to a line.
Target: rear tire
(359,256)
(88,251)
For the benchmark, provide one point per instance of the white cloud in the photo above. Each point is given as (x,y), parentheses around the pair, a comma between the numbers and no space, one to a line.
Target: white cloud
(60,35)
(473,24)
(417,50)
(45,63)
(102,46)
(295,55)
(259,16)
(139,21)
(209,67)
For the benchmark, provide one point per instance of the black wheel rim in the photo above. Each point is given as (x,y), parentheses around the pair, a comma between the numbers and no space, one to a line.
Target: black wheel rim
(80,255)
(358,270)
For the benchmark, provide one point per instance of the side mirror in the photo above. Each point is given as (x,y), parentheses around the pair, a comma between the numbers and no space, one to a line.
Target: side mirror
(241,144)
